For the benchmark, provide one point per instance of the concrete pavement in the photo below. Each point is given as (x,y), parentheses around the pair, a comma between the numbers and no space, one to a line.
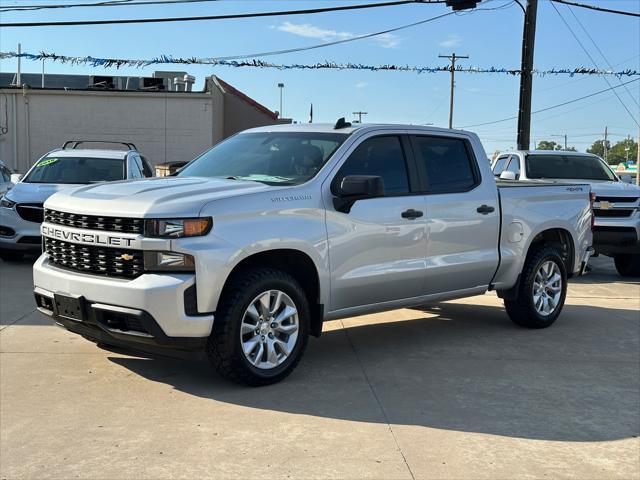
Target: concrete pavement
(453,390)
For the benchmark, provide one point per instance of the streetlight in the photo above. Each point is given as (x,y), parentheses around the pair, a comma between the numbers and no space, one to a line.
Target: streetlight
(281,87)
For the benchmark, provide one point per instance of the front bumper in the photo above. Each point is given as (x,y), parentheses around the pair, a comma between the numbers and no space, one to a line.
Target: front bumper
(18,234)
(610,240)
(150,309)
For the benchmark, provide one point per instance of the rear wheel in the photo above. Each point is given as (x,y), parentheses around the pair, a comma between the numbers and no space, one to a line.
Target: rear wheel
(261,327)
(628,265)
(10,255)
(542,290)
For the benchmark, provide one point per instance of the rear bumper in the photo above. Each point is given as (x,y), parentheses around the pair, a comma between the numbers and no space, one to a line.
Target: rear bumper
(148,310)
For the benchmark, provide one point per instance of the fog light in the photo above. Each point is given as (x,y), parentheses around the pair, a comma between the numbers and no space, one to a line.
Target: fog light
(168,262)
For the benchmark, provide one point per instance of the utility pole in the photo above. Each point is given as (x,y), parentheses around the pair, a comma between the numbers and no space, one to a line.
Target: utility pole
(360,115)
(452,58)
(606,134)
(526,77)
(281,87)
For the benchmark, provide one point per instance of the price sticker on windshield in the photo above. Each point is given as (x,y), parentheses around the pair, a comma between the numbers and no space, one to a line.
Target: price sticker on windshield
(48,161)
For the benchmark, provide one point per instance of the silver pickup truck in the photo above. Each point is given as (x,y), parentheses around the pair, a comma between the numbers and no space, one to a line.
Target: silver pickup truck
(259,240)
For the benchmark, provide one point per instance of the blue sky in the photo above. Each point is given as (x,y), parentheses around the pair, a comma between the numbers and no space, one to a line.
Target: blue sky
(490,38)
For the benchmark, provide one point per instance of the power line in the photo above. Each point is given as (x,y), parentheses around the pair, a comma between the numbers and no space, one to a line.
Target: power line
(624,105)
(554,106)
(336,42)
(600,51)
(216,17)
(600,9)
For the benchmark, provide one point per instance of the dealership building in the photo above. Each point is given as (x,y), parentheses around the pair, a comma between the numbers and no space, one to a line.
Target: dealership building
(162,115)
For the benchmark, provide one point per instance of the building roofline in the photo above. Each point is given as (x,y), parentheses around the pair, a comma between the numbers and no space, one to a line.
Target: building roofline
(227,88)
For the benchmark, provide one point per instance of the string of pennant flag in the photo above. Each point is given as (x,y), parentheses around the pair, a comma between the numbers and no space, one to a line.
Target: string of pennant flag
(326,65)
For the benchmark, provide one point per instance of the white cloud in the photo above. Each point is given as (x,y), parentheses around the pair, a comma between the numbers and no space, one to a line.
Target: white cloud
(311,31)
(452,41)
(361,84)
(386,40)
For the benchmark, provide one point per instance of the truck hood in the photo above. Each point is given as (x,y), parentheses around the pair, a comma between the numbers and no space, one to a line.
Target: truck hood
(606,188)
(162,197)
(24,192)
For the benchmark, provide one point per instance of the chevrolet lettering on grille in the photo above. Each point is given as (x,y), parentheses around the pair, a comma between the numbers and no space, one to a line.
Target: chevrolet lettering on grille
(86,237)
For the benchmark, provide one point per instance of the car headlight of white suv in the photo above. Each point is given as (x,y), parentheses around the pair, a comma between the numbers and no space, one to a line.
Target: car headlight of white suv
(6,203)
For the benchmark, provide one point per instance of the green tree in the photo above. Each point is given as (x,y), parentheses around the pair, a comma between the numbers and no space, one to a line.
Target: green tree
(627,149)
(551,145)
(598,148)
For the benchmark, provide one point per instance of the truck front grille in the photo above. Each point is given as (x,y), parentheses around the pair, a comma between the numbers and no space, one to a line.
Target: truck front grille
(95,222)
(31,212)
(113,262)
(618,213)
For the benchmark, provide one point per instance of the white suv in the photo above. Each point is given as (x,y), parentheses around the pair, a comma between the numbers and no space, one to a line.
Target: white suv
(21,211)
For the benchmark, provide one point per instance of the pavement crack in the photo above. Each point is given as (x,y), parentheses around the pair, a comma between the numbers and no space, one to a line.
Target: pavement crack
(377,399)
(17,320)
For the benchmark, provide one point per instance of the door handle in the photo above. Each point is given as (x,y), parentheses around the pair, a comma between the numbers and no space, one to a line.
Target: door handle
(412,214)
(485,209)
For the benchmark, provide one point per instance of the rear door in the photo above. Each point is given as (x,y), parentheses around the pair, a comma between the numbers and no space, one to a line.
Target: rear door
(377,249)
(463,216)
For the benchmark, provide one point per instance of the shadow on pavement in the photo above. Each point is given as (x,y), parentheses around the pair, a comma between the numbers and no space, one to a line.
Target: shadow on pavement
(464,368)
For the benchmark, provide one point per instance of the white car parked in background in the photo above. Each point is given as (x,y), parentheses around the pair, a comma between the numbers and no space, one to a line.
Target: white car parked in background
(21,211)
(616,230)
(5,178)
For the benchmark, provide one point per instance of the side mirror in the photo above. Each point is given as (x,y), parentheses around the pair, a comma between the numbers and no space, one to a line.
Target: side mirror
(16,177)
(626,178)
(356,187)
(506,175)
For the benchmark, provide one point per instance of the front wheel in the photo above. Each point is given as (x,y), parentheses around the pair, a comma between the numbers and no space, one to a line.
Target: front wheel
(628,265)
(261,327)
(542,290)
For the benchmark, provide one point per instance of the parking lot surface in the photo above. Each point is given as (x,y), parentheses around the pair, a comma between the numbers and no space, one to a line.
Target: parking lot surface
(453,390)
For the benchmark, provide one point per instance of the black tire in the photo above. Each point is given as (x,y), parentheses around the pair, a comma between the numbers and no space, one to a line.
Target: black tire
(224,347)
(11,255)
(628,265)
(522,311)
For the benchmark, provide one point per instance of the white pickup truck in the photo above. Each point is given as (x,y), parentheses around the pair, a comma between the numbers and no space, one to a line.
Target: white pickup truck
(616,206)
(263,237)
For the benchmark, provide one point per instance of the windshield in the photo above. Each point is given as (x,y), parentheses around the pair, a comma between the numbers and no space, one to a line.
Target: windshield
(568,166)
(286,158)
(76,170)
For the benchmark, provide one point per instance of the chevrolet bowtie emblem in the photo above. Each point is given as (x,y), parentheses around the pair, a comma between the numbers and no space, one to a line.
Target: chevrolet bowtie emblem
(606,205)
(126,256)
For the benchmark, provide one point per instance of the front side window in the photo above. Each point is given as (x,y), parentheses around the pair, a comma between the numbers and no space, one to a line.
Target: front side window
(382,157)
(499,166)
(76,170)
(274,158)
(568,167)
(514,166)
(446,162)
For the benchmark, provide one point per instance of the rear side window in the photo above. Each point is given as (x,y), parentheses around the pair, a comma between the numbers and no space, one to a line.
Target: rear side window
(446,162)
(381,156)
(500,164)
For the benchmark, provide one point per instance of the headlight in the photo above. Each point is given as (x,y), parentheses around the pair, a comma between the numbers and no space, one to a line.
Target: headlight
(178,227)
(6,203)
(168,262)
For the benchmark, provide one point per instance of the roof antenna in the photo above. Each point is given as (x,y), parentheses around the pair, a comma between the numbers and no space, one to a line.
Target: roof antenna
(341,123)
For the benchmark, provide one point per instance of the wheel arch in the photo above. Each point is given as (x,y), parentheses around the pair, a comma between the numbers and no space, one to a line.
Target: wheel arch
(296,263)
(557,237)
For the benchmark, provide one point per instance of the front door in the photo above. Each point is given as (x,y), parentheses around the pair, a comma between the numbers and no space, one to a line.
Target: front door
(377,250)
